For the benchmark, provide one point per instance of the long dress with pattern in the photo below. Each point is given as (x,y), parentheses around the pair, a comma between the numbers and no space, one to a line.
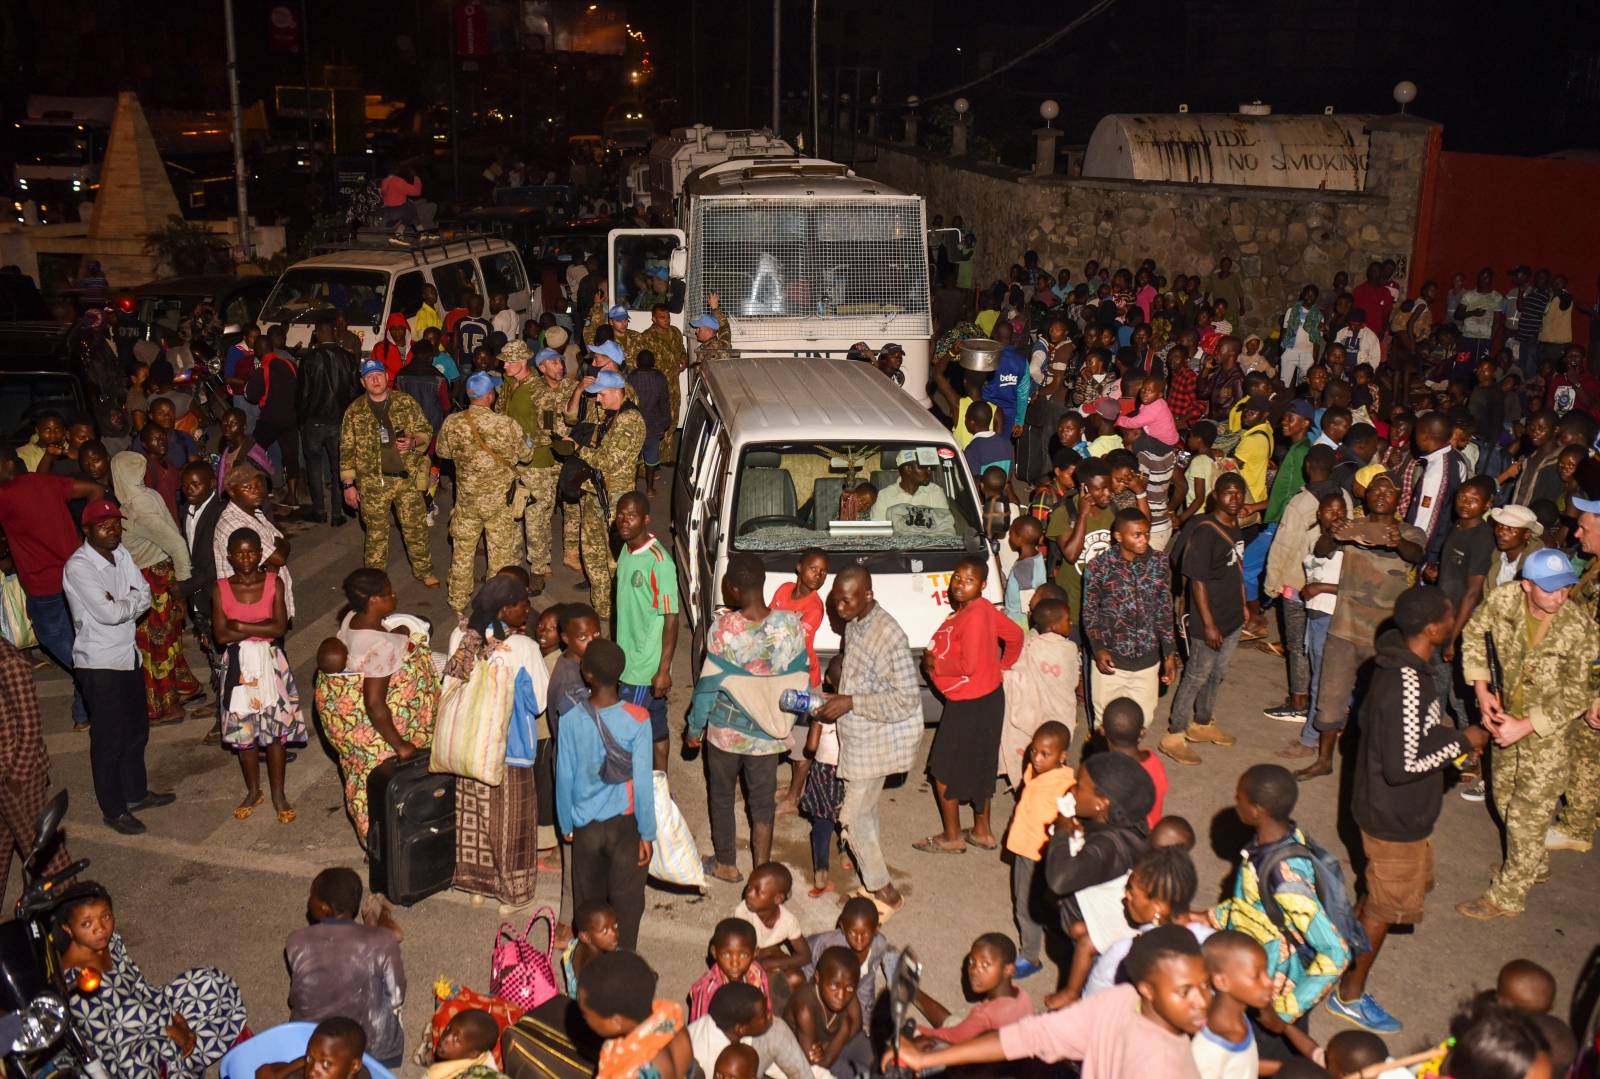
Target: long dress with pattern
(413,695)
(260,701)
(126,1020)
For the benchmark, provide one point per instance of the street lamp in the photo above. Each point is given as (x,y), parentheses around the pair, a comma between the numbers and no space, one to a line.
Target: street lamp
(958,130)
(1405,92)
(1049,110)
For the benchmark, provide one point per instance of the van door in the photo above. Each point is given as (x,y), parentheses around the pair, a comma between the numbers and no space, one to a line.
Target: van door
(503,272)
(639,268)
(706,524)
(688,509)
(455,280)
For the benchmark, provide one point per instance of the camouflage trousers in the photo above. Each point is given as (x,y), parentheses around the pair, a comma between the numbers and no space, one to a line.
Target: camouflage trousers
(598,567)
(539,521)
(472,518)
(377,495)
(1526,780)
(1583,782)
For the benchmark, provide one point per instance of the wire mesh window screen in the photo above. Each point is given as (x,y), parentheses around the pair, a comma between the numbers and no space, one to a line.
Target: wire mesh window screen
(858,264)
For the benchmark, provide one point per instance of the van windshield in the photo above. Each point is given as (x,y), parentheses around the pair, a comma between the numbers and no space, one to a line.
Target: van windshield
(901,496)
(301,290)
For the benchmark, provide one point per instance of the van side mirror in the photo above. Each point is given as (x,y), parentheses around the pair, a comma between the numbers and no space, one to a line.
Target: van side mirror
(678,263)
(675,294)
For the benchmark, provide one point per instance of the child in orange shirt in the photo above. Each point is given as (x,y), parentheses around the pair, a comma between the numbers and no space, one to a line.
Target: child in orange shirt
(803,596)
(1046,778)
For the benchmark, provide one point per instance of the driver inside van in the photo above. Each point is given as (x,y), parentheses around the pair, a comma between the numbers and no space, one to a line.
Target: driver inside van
(914,489)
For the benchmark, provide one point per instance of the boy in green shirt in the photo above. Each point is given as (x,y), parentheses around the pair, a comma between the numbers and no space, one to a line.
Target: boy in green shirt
(647,617)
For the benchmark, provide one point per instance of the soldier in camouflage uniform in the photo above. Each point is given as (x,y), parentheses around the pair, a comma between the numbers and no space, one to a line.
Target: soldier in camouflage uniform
(1546,645)
(538,402)
(487,448)
(613,451)
(1574,829)
(383,461)
(617,316)
(665,341)
(712,337)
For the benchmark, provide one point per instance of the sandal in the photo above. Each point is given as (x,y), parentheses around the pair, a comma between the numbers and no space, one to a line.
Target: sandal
(168,718)
(213,737)
(243,812)
(886,910)
(1248,634)
(1271,648)
(992,844)
(933,845)
(728,873)
(818,893)
(287,816)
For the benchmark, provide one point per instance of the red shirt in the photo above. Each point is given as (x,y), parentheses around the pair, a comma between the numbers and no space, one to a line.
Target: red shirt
(1158,775)
(396,189)
(811,613)
(971,648)
(39,528)
(1377,301)
(390,355)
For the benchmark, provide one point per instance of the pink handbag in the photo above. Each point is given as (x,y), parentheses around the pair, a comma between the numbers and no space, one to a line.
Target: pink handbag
(519,973)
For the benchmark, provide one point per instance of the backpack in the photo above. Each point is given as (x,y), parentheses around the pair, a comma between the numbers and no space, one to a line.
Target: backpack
(519,973)
(1332,894)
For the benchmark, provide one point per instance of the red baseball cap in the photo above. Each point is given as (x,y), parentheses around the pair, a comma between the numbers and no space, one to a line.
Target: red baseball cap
(101,509)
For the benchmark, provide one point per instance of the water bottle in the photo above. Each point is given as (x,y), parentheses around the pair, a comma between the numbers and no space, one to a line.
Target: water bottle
(800,702)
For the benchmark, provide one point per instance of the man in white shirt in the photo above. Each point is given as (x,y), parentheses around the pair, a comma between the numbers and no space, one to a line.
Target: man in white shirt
(914,489)
(1360,340)
(1444,470)
(505,321)
(107,594)
(1476,312)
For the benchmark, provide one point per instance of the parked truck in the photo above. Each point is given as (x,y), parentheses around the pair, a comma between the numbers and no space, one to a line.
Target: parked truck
(807,259)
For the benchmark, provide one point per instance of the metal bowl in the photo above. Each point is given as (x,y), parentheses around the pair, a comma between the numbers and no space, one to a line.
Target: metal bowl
(980,354)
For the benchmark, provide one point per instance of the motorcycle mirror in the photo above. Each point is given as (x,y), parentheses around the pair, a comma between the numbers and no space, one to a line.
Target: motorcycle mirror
(49,823)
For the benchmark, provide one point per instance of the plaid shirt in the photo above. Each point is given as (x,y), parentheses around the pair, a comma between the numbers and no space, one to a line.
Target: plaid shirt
(22,753)
(879,735)
(701,992)
(1127,606)
(1182,397)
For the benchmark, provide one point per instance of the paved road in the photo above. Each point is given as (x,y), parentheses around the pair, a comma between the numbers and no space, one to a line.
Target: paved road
(201,887)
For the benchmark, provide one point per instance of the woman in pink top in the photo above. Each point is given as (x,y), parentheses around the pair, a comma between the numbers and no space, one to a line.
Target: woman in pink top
(260,704)
(964,662)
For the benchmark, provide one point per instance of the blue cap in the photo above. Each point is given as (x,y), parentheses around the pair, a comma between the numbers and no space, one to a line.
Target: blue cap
(611,351)
(548,354)
(704,322)
(617,311)
(482,384)
(1586,505)
(607,380)
(1303,408)
(657,272)
(373,367)
(1548,569)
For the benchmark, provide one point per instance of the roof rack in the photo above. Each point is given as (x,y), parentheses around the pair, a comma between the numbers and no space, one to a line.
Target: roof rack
(422,252)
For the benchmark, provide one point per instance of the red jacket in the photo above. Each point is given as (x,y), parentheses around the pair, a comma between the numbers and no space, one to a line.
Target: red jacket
(389,354)
(971,648)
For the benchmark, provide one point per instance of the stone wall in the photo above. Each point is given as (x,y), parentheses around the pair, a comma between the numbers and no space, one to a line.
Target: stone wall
(1280,239)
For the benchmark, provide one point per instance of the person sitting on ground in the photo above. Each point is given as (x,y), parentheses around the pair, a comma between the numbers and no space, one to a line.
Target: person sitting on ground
(826,1017)
(644,1035)
(988,970)
(594,932)
(857,929)
(740,1015)
(332,1052)
(781,947)
(340,967)
(732,953)
(137,1028)
(466,1047)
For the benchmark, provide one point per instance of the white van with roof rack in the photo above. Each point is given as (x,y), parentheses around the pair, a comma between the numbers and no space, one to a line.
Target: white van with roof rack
(369,283)
(769,449)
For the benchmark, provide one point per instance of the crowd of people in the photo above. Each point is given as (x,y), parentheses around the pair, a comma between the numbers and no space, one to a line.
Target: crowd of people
(1391,494)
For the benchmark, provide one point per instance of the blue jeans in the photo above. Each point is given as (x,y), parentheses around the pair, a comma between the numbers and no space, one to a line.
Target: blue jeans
(1196,698)
(1316,640)
(1255,560)
(52,624)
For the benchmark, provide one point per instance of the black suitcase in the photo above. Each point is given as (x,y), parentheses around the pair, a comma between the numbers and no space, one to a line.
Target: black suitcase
(411,841)
(550,1042)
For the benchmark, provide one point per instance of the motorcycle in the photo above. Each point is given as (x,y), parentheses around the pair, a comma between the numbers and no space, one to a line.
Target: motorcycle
(38,1035)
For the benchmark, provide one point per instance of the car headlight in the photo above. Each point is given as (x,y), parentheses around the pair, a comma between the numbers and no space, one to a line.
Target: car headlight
(22,184)
(43,1022)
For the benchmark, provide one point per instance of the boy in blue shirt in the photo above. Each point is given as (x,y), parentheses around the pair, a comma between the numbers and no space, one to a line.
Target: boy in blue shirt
(988,447)
(1028,573)
(610,821)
